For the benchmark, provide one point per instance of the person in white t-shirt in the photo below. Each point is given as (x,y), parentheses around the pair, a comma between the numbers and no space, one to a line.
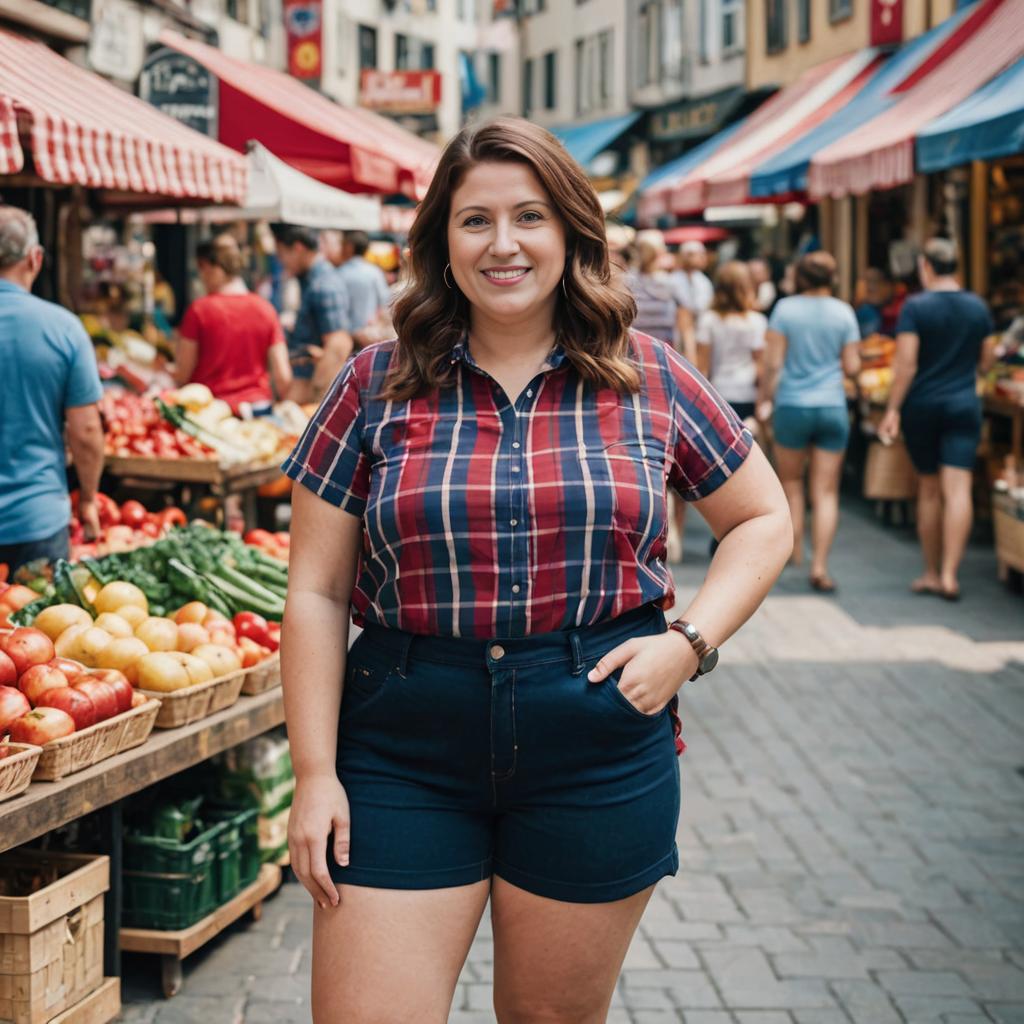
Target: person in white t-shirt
(693,291)
(730,338)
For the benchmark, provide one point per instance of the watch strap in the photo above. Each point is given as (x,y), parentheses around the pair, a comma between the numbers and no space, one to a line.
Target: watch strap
(692,634)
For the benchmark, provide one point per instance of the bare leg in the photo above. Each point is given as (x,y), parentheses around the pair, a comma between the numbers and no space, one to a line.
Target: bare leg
(555,961)
(790,464)
(385,955)
(929,532)
(956,523)
(826,468)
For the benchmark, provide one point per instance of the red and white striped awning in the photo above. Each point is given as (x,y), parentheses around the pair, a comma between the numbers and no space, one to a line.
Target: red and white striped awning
(880,153)
(83,130)
(791,112)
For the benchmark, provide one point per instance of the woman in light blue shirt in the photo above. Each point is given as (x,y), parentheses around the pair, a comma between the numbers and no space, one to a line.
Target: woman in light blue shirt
(811,343)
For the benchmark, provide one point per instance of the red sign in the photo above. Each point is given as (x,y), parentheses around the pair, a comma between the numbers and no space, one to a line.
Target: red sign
(886,22)
(407,92)
(303,23)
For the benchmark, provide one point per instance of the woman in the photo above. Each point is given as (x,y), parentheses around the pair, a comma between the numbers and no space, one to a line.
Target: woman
(488,492)
(730,338)
(230,336)
(812,341)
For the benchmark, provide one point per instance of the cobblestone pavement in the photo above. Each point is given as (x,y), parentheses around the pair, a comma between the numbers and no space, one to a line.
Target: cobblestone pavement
(852,836)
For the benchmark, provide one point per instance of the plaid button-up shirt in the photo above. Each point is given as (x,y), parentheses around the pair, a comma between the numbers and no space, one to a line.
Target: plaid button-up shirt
(489,516)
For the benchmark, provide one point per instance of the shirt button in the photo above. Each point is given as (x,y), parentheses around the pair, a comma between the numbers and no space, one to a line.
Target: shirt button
(515,588)
(529,392)
(513,522)
(515,469)
(515,444)
(497,652)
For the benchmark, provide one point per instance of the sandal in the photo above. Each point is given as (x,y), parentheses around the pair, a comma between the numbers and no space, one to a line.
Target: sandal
(919,589)
(949,595)
(823,584)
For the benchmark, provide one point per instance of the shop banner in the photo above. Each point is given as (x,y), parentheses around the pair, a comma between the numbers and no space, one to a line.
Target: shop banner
(407,92)
(303,22)
(182,88)
(886,22)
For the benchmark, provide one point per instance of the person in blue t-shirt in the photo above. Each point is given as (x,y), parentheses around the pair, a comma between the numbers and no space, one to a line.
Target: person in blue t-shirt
(940,348)
(49,382)
(368,290)
(812,342)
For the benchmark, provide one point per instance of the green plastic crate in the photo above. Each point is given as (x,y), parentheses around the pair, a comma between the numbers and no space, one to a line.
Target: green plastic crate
(170,885)
(239,853)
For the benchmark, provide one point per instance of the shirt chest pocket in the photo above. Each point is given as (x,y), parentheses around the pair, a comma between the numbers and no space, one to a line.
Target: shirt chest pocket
(625,484)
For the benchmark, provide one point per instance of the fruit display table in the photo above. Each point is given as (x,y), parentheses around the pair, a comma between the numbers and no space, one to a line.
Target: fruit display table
(45,806)
(1014,412)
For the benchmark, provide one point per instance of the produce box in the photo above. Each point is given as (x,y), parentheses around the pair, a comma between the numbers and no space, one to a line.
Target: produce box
(182,707)
(17,767)
(51,932)
(258,773)
(169,884)
(1008,524)
(888,473)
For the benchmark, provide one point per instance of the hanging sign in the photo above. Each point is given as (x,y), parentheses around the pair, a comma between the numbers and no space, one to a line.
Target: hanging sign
(886,22)
(182,88)
(303,22)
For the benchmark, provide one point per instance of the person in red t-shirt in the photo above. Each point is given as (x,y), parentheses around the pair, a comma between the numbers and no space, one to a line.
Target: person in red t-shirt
(230,337)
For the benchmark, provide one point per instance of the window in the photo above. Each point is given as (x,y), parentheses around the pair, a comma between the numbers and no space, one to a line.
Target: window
(412,54)
(732,26)
(838,10)
(704,30)
(648,62)
(775,25)
(803,20)
(604,68)
(527,87)
(494,77)
(551,80)
(367,47)
(594,69)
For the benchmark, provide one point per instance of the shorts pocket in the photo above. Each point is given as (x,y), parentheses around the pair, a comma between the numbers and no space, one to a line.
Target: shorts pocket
(368,674)
(611,684)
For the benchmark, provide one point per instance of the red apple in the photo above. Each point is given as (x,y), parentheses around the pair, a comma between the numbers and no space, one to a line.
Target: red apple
(118,682)
(27,647)
(74,702)
(8,673)
(41,726)
(74,670)
(13,704)
(36,680)
(102,695)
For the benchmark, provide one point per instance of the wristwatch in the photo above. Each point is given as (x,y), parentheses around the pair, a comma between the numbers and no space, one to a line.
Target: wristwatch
(707,656)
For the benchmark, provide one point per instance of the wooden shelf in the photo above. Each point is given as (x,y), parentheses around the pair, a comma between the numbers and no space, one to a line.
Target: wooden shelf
(186,471)
(48,805)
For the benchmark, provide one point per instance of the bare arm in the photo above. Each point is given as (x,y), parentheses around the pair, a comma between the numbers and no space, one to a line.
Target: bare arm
(991,352)
(703,358)
(850,358)
(321,574)
(186,355)
(903,372)
(85,439)
(772,361)
(750,516)
(280,369)
(686,329)
(336,348)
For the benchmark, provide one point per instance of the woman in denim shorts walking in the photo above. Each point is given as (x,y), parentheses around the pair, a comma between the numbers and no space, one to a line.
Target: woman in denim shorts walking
(488,494)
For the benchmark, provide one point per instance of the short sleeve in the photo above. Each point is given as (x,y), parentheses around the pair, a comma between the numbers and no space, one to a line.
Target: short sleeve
(83,384)
(760,322)
(329,459)
(907,322)
(778,321)
(709,441)
(852,327)
(190,327)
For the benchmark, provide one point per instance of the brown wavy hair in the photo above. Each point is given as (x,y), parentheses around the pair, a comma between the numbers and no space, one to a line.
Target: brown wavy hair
(593,312)
(734,289)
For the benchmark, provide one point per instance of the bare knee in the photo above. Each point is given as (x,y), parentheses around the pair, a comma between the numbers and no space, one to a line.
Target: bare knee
(928,488)
(560,1008)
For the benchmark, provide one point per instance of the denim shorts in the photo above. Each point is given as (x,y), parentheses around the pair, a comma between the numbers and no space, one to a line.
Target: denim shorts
(465,758)
(821,426)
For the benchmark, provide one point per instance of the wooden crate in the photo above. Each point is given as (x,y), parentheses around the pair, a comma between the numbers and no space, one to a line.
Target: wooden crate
(888,473)
(51,941)
(262,677)
(98,1007)
(1009,531)
(96,743)
(182,707)
(16,769)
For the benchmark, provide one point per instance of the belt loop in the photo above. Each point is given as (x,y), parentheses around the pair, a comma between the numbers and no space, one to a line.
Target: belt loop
(577,652)
(405,642)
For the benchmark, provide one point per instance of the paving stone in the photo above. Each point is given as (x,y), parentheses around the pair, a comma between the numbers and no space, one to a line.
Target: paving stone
(678,955)
(186,1009)
(708,1017)
(924,983)
(656,1016)
(931,1009)
(763,1017)
(274,1013)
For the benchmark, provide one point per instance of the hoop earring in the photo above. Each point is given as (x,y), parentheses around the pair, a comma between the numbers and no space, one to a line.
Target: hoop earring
(564,291)
(444,274)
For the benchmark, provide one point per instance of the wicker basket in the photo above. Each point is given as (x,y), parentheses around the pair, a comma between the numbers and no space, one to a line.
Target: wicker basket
(889,474)
(1009,530)
(262,677)
(16,769)
(182,707)
(96,743)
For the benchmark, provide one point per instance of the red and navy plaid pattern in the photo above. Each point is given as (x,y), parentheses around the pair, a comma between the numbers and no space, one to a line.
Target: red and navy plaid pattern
(82,129)
(487,519)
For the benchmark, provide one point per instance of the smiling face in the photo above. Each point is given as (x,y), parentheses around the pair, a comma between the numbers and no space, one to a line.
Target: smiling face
(506,242)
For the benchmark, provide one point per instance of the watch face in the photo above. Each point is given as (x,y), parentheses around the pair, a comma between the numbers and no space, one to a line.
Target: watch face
(709,661)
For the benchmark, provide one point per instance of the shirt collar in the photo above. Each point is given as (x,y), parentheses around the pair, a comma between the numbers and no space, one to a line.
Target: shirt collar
(460,353)
(9,286)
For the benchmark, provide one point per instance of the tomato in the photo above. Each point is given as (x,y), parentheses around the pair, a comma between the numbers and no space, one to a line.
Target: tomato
(257,538)
(109,513)
(172,516)
(133,514)
(274,632)
(253,627)
(151,528)
(41,726)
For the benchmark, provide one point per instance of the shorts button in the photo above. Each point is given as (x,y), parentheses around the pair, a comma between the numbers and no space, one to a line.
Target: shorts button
(497,651)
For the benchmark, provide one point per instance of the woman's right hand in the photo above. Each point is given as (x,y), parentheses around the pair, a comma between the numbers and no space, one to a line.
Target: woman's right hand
(319,807)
